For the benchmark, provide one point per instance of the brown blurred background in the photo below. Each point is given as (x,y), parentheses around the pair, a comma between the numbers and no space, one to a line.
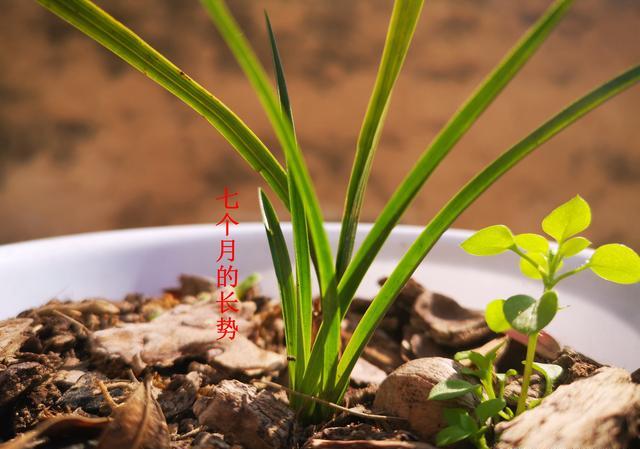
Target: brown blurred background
(87,143)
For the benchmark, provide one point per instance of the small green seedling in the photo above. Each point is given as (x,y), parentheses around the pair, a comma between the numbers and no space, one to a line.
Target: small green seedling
(539,260)
(461,425)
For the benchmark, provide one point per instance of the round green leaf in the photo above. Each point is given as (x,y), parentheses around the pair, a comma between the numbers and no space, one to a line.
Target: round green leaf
(452,434)
(494,316)
(528,316)
(529,270)
(567,220)
(547,309)
(450,389)
(573,246)
(489,409)
(489,241)
(452,415)
(616,263)
(534,243)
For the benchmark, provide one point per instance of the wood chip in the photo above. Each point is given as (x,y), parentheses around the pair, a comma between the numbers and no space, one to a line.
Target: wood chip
(13,333)
(255,419)
(186,330)
(449,323)
(602,411)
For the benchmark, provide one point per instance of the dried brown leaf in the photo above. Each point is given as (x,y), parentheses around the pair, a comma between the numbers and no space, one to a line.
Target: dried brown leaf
(137,424)
(59,425)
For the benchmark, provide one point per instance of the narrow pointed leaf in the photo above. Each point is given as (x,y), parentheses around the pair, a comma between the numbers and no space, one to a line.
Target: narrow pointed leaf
(401,28)
(463,199)
(323,359)
(284,275)
(249,63)
(443,143)
(104,29)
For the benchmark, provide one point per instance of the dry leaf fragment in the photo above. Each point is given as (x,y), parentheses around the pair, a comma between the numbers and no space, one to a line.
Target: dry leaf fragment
(13,333)
(137,424)
(186,330)
(62,425)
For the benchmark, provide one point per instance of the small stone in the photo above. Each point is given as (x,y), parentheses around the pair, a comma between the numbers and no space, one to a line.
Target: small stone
(405,393)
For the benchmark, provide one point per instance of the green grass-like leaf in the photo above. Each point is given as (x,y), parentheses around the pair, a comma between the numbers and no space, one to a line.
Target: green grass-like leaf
(284,275)
(324,356)
(442,144)
(465,197)
(104,29)
(248,61)
(299,226)
(399,35)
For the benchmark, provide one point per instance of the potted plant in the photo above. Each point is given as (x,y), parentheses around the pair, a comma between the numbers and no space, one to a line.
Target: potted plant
(319,366)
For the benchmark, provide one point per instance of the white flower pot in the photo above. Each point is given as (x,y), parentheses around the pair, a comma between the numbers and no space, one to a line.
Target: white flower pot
(601,319)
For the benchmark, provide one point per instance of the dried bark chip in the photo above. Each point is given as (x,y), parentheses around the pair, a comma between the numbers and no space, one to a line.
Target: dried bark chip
(601,411)
(35,406)
(85,395)
(405,392)
(366,373)
(191,285)
(255,419)
(449,323)
(186,330)
(514,386)
(13,333)
(575,366)
(137,424)
(20,378)
(180,394)
(417,344)
(206,440)
(367,444)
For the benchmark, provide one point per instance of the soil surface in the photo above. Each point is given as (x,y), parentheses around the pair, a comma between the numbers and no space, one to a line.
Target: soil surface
(152,373)
(88,144)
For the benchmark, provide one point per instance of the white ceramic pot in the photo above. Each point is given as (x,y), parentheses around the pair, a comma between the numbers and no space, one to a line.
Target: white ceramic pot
(601,319)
